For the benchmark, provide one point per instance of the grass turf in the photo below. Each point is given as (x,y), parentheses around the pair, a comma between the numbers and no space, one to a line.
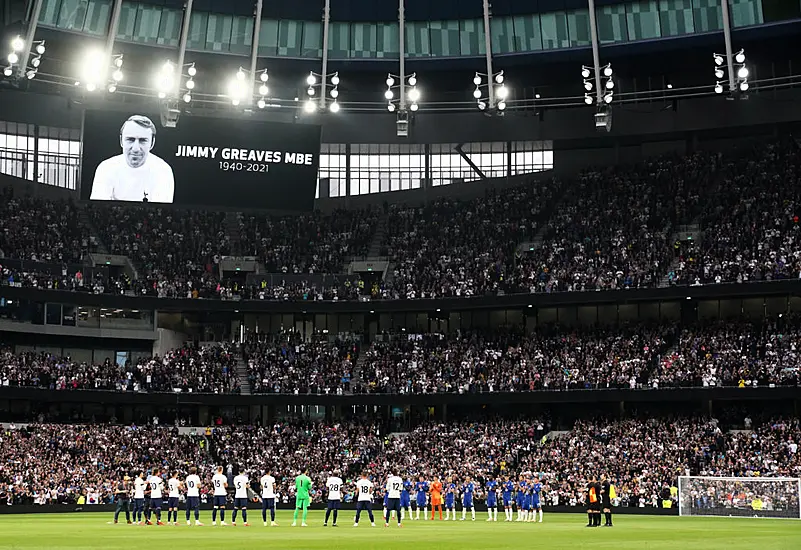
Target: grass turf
(91,531)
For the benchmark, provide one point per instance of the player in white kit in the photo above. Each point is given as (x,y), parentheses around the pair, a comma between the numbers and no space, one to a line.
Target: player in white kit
(139,497)
(174,486)
(268,498)
(241,486)
(334,485)
(394,488)
(364,488)
(192,484)
(156,497)
(220,483)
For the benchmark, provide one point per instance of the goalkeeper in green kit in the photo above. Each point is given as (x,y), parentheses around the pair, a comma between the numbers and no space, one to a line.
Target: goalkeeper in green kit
(302,498)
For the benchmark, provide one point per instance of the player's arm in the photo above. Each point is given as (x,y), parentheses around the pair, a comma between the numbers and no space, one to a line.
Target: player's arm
(102,184)
(166,188)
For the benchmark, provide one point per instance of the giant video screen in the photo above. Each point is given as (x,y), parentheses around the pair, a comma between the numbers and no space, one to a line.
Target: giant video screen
(130,157)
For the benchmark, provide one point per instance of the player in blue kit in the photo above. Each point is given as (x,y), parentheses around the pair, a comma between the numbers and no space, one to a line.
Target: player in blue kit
(450,499)
(406,499)
(421,488)
(508,490)
(536,503)
(492,500)
(467,498)
(522,489)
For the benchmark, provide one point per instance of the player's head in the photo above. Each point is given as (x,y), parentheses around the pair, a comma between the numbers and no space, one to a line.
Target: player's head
(137,138)
(536,478)
(219,469)
(364,475)
(193,470)
(422,478)
(155,472)
(467,479)
(140,473)
(175,473)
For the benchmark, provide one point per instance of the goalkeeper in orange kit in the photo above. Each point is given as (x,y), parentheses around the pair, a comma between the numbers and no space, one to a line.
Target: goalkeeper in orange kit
(436,497)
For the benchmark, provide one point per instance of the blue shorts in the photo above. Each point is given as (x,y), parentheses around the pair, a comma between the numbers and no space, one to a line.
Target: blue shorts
(172,502)
(267,503)
(507,500)
(535,503)
(406,501)
(219,501)
(449,503)
(155,503)
(364,505)
(192,503)
(467,502)
(334,504)
(421,501)
(240,503)
(492,501)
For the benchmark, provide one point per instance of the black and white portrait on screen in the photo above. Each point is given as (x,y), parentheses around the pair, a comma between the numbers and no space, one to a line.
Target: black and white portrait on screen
(136,175)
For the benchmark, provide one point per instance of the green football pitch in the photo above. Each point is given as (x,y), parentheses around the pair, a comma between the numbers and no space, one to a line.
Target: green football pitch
(92,531)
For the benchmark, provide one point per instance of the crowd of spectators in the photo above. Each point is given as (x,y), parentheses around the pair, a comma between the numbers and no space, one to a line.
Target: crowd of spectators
(44,463)
(209,369)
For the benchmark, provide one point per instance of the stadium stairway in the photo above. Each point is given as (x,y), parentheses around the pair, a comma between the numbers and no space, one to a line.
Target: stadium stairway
(232,224)
(93,234)
(378,237)
(683,232)
(242,374)
(356,377)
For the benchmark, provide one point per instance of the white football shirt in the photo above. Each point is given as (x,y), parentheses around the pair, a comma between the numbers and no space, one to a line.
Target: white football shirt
(192,485)
(156,486)
(116,181)
(219,482)
(173,484)
(139,487)
(334,485)
(241,485)
(394,486)
(365,487)
(267,486)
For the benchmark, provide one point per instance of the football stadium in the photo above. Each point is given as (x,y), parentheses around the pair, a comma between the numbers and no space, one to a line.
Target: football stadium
(347,273)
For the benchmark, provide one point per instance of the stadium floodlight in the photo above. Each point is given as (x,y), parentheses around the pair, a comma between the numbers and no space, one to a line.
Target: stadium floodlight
(742,72)
(190,84)
(390,82)
(264,77)
(588,99)
(718,59)
(13,58)
(391,108)
(718,73)
(310,106)
(237,89)
(499,78)
(414,107)
(335,79)
(334,107)
(112,88)
(310,91)
(334,93)
(502,92)
(40,48)
(8,71)
(263,90)
(118,61)
(585,72)
(482,105)
(388,94)
(608,71)
(413,80)
(117,75)
(36,61)
(501,105)
(261,104)
(610,84)
(744,86)
(477,93)
(311,80)
(192,71)
(187,97)
(165,79)
(235,102)
(477,80)
(587,85)
(30,74)
(162,95)
(718,88)
(17,44)
(240,74)
(739,57)
(414,94)
(91,86)
(608,98)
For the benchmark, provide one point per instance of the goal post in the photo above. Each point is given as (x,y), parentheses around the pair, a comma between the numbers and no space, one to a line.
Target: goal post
(765,497)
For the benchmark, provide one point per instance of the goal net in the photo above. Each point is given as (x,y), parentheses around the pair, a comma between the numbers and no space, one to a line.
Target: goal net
(767,497)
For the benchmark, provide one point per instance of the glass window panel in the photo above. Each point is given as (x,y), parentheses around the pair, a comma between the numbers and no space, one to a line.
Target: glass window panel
(241,34)
(268,37)
(290,37)
(312,39)
(554,30)
(418,42)
(218,33)
(48,16)
(125,30)
(197,30)
(745,13)
(338,40)
(471,37)
(708,16)
(676,17)
(148,18)
(502,31)
(578,26)
(97,17)
(170,27)
(611,22)
(528,37)
(388,39)
(643,20)
(363,40)
(444,36)
(71,15)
